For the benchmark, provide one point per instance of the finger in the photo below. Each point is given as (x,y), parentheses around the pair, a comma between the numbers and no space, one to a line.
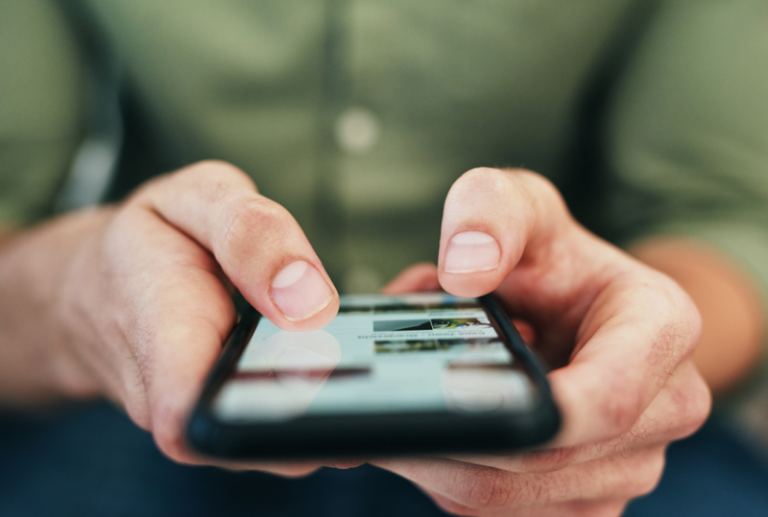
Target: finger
(417,278)
(258,244)
(185,314)
(678,411)
(612,478)
(491,218)
(631,326)
(180,314)
(636,334)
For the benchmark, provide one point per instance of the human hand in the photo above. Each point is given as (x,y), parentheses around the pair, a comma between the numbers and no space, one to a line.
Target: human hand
(146,299)
(618,334)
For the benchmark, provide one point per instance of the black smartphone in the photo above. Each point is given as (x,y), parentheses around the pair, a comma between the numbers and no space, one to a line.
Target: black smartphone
(390,375)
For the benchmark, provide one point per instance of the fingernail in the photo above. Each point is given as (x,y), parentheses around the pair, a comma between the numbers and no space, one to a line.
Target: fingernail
(469,252)
(300,291)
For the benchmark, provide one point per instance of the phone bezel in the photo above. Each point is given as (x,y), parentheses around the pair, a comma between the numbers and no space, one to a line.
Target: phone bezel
(367,435)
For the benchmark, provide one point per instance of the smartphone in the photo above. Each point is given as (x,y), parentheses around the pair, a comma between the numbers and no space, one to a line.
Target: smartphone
(390,375)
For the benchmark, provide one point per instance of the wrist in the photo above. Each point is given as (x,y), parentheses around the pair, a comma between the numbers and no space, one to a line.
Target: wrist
(77,308)
(38,345)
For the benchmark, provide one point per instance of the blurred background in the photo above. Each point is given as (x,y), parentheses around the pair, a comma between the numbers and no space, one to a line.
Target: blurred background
(651,117)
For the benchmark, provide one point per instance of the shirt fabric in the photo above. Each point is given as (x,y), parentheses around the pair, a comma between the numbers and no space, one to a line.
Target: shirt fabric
(94,462)
(650,116)
(358,115)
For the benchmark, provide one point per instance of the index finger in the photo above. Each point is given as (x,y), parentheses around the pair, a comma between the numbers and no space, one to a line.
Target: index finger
(257,243)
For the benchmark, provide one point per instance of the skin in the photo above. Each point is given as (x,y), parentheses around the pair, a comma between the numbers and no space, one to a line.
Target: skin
(732,311)
(132,303)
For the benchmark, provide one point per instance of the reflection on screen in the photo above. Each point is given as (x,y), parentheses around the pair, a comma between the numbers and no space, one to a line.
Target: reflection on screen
(381,354)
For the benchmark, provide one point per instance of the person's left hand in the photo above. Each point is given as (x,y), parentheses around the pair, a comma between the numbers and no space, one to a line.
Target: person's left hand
(618,334)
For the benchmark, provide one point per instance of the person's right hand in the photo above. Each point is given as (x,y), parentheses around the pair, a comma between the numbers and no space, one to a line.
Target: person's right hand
(145,300)
(618,335)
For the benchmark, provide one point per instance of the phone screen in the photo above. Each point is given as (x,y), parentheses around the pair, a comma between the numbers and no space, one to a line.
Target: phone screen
(381,354)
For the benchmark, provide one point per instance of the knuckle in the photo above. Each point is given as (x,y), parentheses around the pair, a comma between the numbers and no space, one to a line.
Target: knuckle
(624,405)
(243,219)
(681,335)
(667,347)
(692,319)
(479,181)
(536,181)
(212,179)
(671,348)
(143,194)
(540,188)
(675,333)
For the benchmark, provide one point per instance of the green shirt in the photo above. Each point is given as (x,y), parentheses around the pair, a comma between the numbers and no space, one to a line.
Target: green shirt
(358,115)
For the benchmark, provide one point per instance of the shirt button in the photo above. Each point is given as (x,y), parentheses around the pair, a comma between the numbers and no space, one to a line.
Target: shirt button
(357,130)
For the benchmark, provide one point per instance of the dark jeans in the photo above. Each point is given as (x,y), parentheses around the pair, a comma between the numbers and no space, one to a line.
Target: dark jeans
(94,462)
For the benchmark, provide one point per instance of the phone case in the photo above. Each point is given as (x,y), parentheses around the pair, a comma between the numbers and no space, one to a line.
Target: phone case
(367,435)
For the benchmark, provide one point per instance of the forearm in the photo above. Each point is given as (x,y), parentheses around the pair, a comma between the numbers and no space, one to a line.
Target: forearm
(732,311)
(36,365)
